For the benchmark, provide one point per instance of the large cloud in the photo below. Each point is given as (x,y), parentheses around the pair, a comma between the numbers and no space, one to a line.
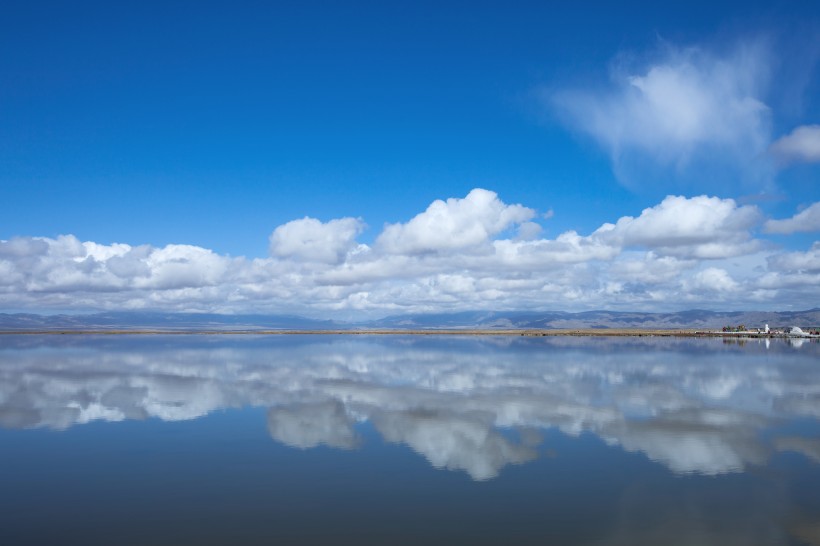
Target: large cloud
(698,227)
(684,104)
(459,254)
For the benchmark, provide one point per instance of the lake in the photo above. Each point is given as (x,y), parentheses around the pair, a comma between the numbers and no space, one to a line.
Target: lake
(296,439)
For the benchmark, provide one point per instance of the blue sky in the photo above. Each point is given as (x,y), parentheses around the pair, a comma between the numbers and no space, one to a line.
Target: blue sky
(177,138)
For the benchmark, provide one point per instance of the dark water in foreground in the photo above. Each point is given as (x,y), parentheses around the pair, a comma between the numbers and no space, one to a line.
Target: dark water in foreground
(416,440)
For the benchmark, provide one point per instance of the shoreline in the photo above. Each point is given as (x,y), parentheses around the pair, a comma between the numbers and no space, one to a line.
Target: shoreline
(581,332)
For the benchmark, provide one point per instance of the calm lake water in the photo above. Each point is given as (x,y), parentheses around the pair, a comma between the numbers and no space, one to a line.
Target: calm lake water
(408,439)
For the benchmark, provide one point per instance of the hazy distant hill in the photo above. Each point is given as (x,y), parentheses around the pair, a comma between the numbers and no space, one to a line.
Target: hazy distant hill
(469,319)
(162,321)
(602,319)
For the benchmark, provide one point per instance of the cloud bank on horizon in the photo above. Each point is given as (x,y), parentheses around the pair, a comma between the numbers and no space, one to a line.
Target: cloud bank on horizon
(474,252)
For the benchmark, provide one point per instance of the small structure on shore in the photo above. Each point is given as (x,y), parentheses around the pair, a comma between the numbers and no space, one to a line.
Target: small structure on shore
(742,331)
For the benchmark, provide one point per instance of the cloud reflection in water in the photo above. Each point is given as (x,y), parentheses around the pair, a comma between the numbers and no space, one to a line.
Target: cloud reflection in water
(695,406)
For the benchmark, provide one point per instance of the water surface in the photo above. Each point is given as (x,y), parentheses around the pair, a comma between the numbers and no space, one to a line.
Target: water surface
(407,439)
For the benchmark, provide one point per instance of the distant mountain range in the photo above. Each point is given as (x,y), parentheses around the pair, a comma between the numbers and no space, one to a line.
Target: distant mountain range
(161,321)
(550,320)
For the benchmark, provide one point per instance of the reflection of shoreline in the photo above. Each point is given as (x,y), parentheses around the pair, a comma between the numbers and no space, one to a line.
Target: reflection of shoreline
(616,332)
(796,341)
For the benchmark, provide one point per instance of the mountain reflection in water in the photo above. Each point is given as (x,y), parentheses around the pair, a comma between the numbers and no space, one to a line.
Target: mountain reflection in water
(467,404)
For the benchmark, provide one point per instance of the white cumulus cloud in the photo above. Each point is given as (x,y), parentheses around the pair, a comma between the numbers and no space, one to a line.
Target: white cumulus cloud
(801,145)
(474,252)
(713,279)
(454,224)
(698,227)
(310,240)
(805,220)
(808,261)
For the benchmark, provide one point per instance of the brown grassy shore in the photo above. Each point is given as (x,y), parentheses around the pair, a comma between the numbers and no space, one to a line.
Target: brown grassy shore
(626,332)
